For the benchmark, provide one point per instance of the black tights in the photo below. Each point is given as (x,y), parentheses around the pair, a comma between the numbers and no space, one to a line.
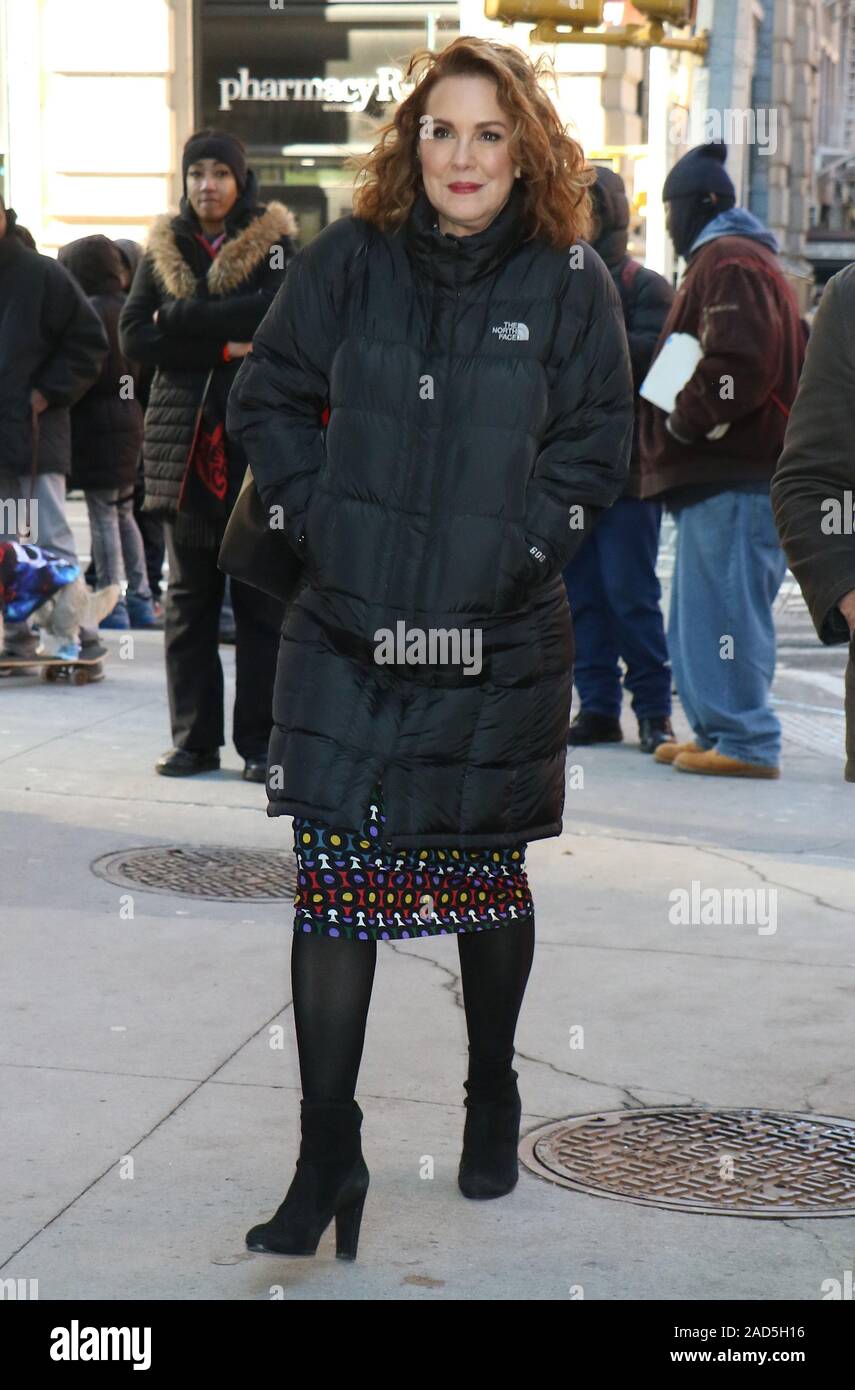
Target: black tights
(331,983)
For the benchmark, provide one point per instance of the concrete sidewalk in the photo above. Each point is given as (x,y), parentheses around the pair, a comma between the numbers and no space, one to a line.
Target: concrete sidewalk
(149,1038)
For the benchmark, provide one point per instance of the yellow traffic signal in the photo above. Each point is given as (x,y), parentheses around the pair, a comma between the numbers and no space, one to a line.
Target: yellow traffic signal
(578,14)
(676,12)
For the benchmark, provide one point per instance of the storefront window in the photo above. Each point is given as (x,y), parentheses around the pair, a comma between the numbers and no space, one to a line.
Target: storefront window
(304,85)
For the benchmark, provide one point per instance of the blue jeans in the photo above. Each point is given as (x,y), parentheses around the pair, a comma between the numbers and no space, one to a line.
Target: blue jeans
(614,597)
(728,568)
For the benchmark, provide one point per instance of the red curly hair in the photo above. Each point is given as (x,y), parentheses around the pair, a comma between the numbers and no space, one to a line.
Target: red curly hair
(555,173)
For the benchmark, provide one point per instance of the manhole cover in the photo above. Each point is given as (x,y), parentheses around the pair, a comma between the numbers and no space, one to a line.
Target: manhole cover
(215,872)
(723,1162)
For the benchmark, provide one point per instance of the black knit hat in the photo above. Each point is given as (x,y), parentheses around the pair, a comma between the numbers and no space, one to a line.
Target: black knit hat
(700,171)
(216,144)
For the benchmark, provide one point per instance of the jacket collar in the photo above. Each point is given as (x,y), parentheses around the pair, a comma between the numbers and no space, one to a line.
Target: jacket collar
(453,261)
(240,254)
(11,247)
(735,222)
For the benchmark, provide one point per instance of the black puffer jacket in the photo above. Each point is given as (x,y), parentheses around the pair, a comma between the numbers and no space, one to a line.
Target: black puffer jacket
(480,398)
(202,304)
(646,296)
(50,340)
(106,423)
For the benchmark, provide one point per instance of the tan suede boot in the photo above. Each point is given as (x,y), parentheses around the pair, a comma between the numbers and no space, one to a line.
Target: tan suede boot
(667,752)
(713,764)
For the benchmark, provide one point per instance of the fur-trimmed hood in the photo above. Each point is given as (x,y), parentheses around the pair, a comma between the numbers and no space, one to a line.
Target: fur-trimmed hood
(233,264)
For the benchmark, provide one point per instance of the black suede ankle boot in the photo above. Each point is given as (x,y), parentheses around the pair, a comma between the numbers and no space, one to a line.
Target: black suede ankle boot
(331,1181)
(489,1166)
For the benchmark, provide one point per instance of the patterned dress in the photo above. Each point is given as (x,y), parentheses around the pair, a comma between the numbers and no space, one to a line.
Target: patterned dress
(349,886)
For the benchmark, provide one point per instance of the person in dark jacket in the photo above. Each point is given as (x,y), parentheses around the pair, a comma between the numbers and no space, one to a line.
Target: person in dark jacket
(52,347)
(475,366)
(711,460)
(813,490)
(201,290)
(106,437)
(16,229)
(611,583)
(150,526)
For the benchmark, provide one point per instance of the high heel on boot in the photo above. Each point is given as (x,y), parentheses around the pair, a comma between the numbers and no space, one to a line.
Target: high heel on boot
(489,1166)
(331,1181)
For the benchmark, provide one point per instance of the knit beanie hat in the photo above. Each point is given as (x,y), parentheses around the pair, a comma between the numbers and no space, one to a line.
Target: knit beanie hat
(700,171)
(216,144)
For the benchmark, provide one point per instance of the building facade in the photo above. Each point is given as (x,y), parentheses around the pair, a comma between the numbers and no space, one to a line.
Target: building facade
(100,95)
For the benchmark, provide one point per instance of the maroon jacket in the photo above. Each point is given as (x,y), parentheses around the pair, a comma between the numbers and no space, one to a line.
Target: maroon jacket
(735,300)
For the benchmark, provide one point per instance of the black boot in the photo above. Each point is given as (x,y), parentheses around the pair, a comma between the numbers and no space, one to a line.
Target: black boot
(489,1166)
(594,728)
(331,1181)
(652,732)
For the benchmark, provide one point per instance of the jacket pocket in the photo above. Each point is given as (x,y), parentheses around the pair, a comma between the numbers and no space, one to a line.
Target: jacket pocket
(319,527)
(519,572)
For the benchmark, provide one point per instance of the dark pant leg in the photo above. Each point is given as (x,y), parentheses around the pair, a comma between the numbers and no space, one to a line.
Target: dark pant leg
(628,538)
(193,672)
(154,543)
(258,622)
(596,673)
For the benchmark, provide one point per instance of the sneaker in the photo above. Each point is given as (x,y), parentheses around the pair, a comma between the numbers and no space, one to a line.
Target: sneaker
(118,620)
(91,646)
(141,612)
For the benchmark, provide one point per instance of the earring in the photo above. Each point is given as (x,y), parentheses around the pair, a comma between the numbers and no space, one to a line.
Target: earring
(517,174)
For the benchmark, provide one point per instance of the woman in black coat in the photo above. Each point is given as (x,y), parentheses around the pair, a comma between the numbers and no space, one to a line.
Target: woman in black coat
(472,353)
(150,526)
(106,435)
(201,290)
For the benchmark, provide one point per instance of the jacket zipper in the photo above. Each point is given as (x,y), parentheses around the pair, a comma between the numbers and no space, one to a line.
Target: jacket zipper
(434,485)
(388,842)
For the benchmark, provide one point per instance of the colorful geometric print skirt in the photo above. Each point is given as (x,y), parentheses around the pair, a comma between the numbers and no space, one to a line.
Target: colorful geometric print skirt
(349,886)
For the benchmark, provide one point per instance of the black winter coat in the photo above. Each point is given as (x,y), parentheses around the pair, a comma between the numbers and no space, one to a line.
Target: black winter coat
(51,340)
(646,296)
(480,401)
(814,484)
(106,423)
(202,305)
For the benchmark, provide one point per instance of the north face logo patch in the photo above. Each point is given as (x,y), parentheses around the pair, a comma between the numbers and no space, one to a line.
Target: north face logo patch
(512,332)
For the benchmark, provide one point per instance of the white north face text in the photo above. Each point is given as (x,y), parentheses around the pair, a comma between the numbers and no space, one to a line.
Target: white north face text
(512,332)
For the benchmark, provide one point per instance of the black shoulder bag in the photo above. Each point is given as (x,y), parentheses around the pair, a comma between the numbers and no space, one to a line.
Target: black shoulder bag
(256,553)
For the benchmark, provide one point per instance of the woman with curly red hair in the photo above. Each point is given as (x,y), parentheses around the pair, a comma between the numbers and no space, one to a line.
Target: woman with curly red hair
(470,348)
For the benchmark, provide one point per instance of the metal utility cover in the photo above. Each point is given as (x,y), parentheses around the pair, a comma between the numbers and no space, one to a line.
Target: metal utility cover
(719,1162)
(215,872)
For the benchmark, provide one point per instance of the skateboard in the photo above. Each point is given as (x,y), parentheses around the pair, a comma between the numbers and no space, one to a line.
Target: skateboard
(57,668)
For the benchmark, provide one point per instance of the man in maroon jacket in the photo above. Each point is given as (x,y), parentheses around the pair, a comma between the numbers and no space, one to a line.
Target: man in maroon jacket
(711,461)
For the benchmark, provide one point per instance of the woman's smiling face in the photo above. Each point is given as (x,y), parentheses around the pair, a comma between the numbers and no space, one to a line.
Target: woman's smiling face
(467,169)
